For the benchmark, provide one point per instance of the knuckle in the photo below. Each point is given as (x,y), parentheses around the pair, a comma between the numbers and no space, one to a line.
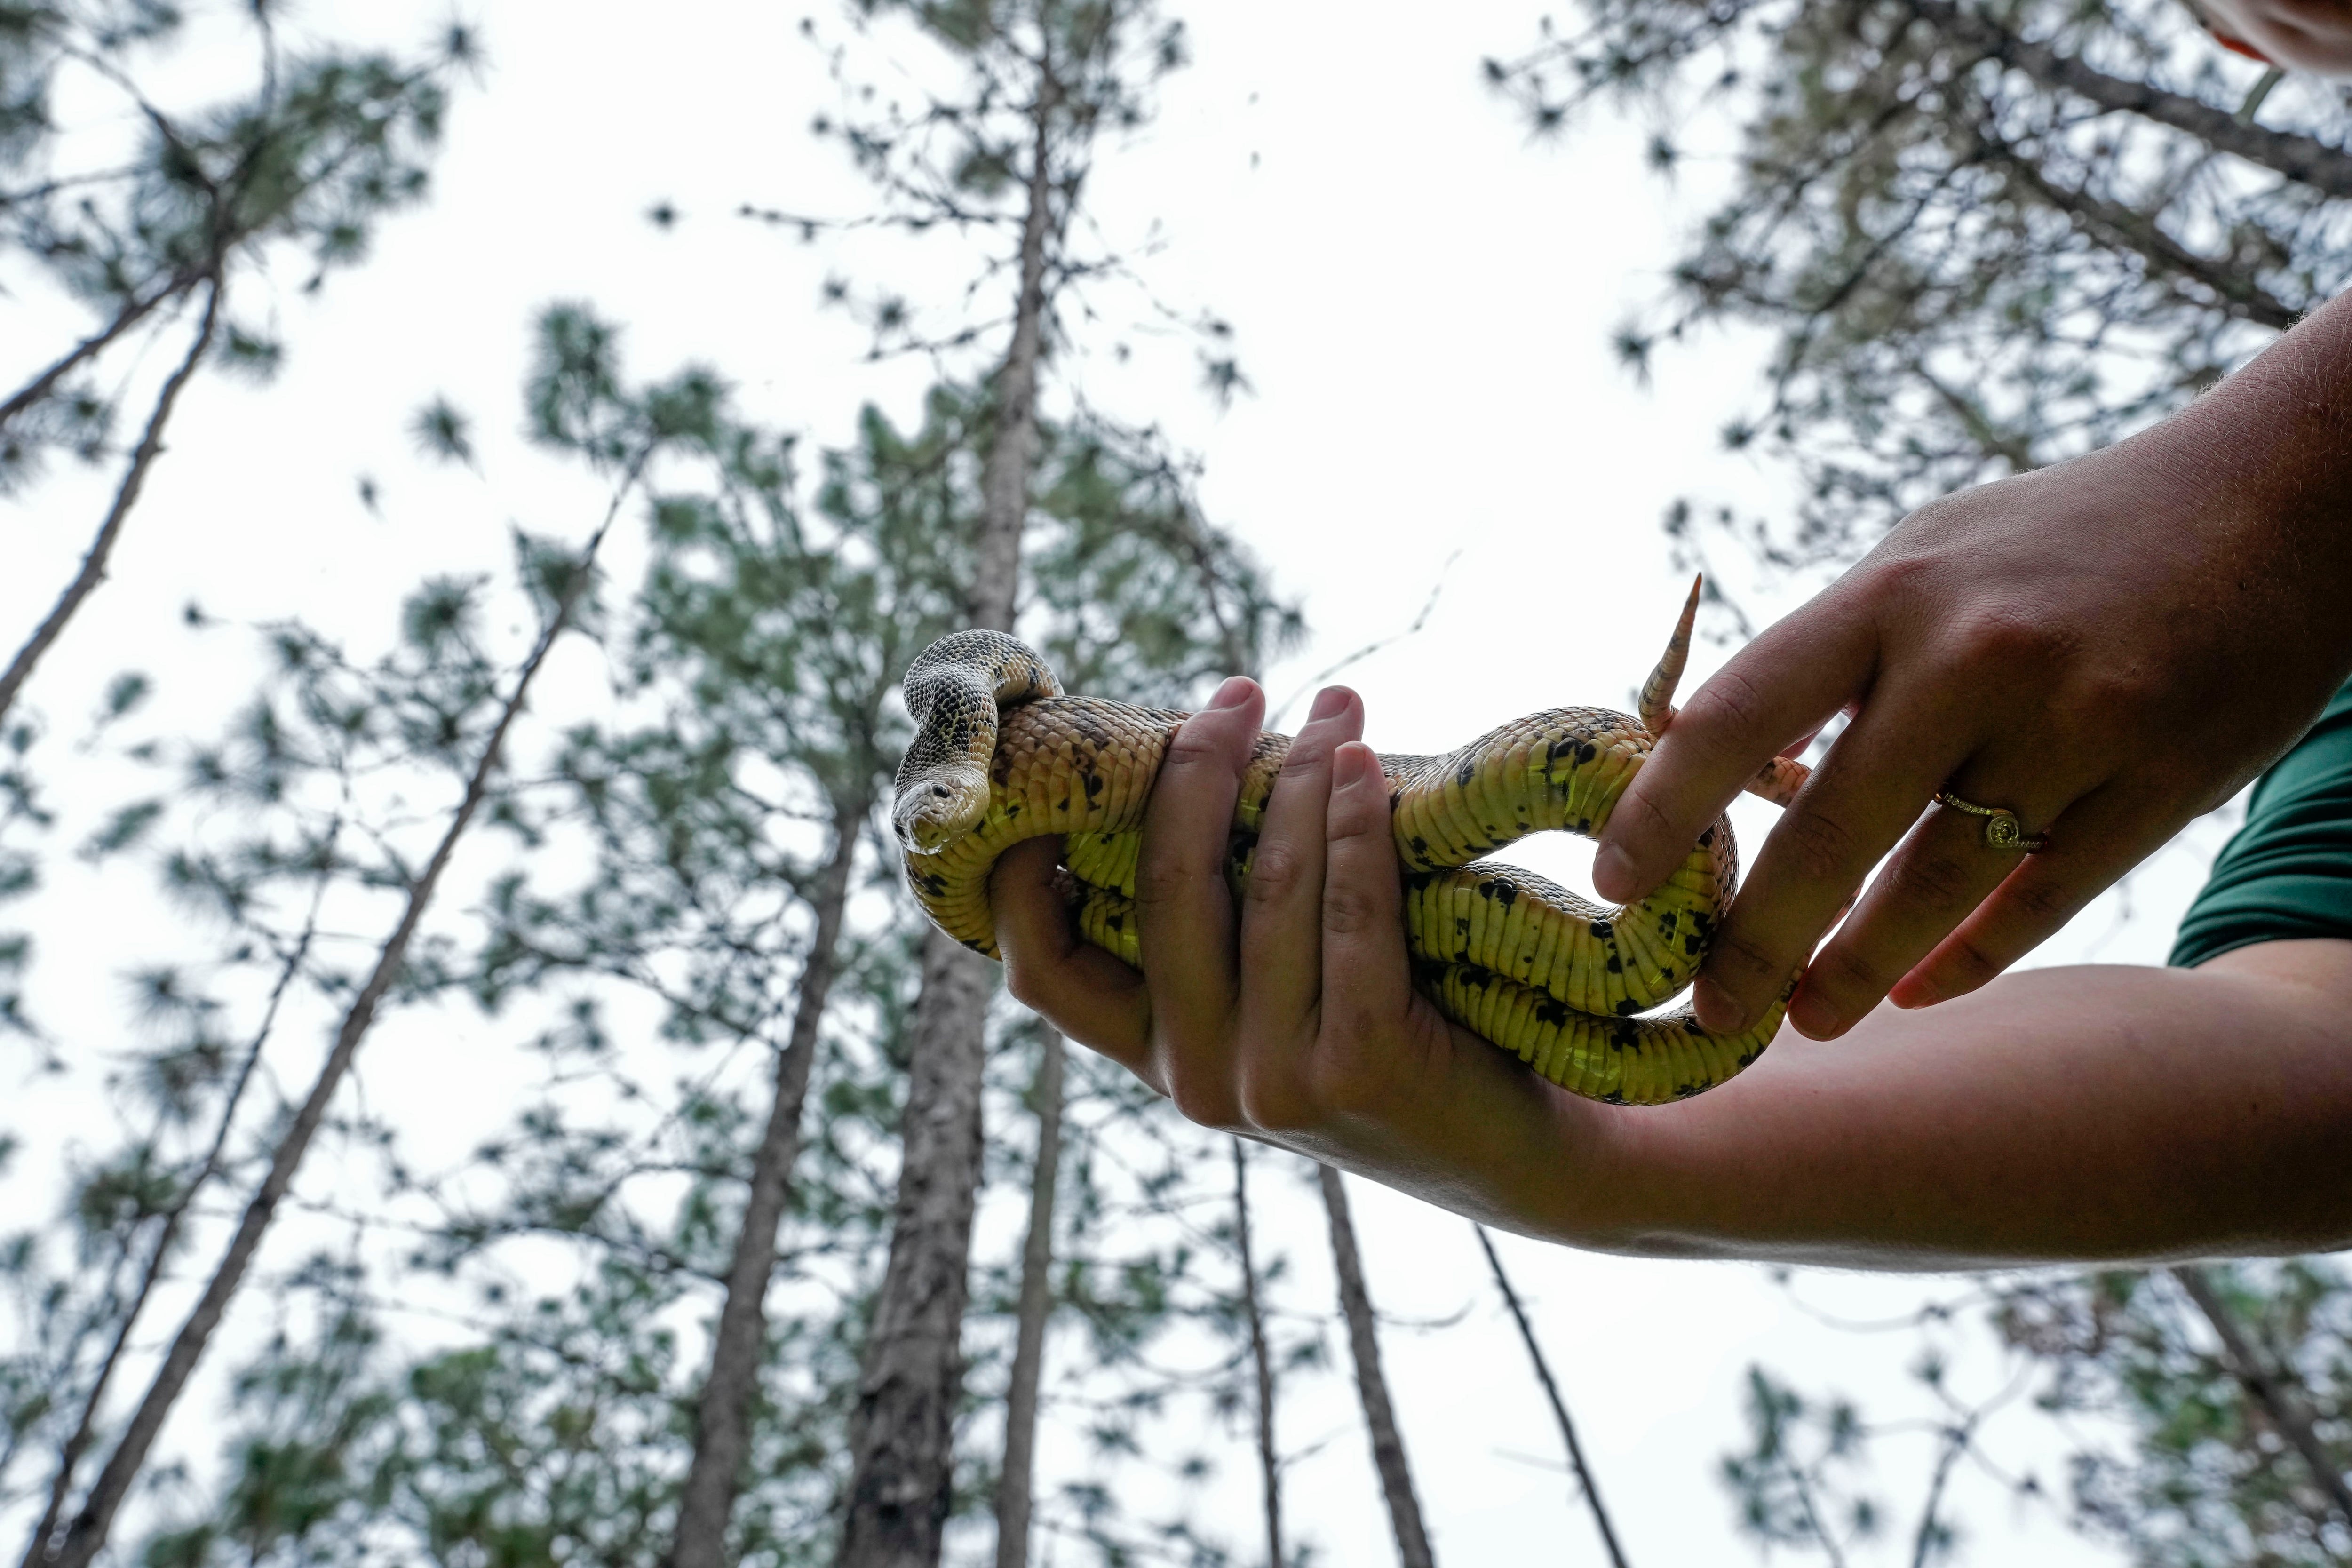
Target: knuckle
(1850,975)
(1275,870)
(1023,985)
(1163,879)
(1198,742)
(1201,1098)
(1729,705)
(1350,912)
(1910,574)
(1935,879)
(2007,634)
(1744,960)
(1966,963)
(1819,846)
(2103,704)
(1642,819)
(1272,1103)
(2041,900)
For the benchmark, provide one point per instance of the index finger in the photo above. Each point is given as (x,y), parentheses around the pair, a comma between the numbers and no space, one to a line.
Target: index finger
(1783,685)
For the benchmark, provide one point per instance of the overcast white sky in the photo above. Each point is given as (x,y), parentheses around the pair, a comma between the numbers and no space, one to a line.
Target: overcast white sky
(1423,301)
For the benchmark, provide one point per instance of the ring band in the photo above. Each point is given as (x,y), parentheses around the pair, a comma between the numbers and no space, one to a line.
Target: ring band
(2001,828)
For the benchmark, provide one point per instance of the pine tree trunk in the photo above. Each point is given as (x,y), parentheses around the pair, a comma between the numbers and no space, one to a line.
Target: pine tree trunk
(1269,1457)
(86,1534)
(899,1433)
(1559,1405)
(1016,1484)
(1004,477)
(1371,1383)
(2269,1390)
(723,1419)
(126,496)
(900,1456)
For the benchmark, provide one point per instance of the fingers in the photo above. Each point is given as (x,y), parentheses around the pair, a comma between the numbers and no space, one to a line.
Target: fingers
(1185,911)
(2096,840)
(1872,787)
(1282,971)
(1367,982)
(1077,987)
(1780,687)
(1941,872)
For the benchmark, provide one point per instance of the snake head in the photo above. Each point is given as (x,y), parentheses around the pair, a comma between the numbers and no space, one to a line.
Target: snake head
(936,810)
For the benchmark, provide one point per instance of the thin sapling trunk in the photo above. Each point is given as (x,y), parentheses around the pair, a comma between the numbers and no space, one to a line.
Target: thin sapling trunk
(1559,1405)
(1371,1382)
(1016,1482)
(1269,1461)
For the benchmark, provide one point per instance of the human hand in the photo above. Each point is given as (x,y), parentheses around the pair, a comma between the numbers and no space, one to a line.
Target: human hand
(2107,648)
(1290,1015)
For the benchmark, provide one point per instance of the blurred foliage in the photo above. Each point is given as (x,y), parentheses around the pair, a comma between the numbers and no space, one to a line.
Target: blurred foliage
(1980,234)
(2209,1478)
(304,159)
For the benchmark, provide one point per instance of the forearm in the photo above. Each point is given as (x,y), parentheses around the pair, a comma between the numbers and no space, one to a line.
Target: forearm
(2262,464)
(2059,1114)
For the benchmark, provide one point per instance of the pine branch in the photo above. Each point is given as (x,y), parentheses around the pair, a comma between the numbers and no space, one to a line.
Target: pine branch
(1559,1405)
(1371,1382)
(2271,1391)
(126,496)
(133,311)
(87,1533)
(1930,1534)
(2119,226)
(1268,1459)
(2303,159)
(69,1455)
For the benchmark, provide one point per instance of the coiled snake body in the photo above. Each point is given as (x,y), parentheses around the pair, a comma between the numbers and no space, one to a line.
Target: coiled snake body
(1002,755)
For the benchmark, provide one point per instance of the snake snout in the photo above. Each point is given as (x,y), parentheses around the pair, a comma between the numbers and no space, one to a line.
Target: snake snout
(938,810)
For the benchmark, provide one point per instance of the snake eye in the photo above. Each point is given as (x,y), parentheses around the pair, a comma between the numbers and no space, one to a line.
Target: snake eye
(940,790)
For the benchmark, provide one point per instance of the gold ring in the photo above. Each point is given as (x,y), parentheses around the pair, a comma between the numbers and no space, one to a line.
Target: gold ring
(2001,828)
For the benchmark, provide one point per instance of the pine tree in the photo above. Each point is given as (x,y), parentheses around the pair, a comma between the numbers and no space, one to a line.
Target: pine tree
(1011,153)
(1984,235)
(2236,1385)
(306,159)
(457,710)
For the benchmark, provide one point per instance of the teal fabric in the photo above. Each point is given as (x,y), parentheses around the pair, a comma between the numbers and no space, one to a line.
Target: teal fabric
(2288,872)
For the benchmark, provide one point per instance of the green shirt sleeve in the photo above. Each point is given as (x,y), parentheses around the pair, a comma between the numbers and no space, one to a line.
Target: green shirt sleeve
(2288,872)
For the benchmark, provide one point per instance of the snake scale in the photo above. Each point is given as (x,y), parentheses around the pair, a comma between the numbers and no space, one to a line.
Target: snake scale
(1001,755)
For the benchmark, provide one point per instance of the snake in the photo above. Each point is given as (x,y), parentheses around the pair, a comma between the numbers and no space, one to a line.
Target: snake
(1001,754)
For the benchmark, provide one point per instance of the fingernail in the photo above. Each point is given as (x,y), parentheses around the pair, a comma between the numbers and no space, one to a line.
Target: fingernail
(1330,701)
(1232,693)
(1354,763)
(1814,1017)
(1613,874)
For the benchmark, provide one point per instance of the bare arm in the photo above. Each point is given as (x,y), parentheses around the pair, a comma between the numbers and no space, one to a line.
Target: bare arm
(2069,1113)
